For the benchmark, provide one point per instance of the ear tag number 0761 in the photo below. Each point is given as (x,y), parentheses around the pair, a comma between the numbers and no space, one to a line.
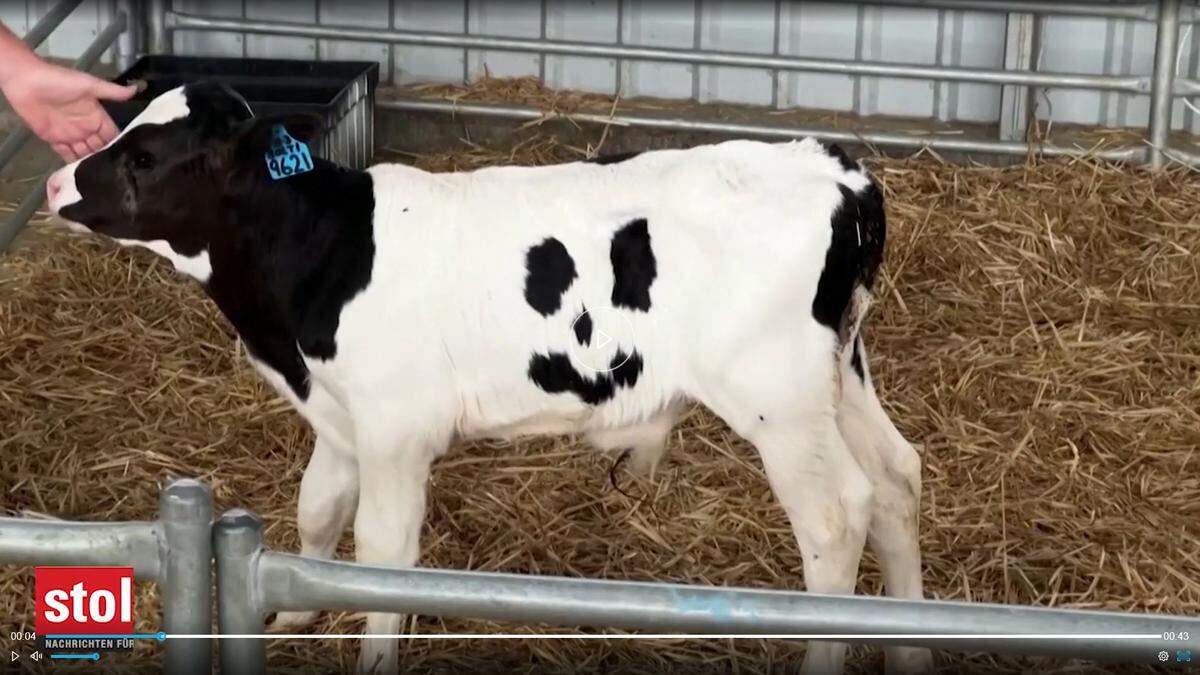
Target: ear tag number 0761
(287,156)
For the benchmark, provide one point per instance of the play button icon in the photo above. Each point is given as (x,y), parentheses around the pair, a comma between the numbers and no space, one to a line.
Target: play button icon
(601,340)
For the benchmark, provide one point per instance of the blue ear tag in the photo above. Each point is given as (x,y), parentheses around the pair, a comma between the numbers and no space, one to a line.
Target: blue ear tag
(287,156)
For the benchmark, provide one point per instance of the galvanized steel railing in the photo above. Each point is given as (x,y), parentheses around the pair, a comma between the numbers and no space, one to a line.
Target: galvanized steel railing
(1162,86)
(174,551)
(252,582)
(178,549)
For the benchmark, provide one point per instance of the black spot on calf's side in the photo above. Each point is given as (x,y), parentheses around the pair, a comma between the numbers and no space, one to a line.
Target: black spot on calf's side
(615,158)
(554,374)
(855,252)
(625,369)
(583,328)
(835,151)
(549,273)
(634,266)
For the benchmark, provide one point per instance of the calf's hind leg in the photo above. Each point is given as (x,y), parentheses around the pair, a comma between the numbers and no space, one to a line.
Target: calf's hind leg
(786,407)
(895,470)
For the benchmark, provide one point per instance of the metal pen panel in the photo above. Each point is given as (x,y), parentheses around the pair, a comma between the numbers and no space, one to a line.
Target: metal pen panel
(1141,10)
(290,582)
(12,145)
(1164,79)
(1135,84)
(1124,153)
(173,551)
(237,544)
(130,43)
(186,511)
(158,40)
(49,21)
(25,541)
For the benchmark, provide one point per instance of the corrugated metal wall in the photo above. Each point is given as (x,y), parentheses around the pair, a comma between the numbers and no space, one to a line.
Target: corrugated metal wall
(817,29)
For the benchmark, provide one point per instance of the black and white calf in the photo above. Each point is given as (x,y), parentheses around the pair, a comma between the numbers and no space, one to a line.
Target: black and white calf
(400,310)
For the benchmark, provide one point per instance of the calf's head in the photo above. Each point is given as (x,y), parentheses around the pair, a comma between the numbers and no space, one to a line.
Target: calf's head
(164,182)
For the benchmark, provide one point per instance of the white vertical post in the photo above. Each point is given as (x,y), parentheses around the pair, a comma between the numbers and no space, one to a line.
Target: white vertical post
(1162,97)
(1018,55)
(130,45)
(158,38)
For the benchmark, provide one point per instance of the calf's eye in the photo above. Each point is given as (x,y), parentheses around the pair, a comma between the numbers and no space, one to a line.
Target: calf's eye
(143,160)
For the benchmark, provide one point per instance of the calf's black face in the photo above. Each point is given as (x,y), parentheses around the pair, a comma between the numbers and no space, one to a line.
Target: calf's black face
(161,183)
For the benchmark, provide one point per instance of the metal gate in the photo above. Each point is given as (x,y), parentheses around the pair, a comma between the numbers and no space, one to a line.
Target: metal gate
(175,550)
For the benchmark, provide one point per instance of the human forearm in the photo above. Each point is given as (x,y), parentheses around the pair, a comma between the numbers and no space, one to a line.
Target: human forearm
(15,55)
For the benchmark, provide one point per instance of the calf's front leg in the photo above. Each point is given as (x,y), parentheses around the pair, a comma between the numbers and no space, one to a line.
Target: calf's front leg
(392,474)
(328,498)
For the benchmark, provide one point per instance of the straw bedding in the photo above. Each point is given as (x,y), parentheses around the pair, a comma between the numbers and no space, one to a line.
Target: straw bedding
(1037,335)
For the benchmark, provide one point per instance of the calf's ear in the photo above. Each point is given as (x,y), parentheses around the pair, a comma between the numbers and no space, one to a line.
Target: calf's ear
(253,136)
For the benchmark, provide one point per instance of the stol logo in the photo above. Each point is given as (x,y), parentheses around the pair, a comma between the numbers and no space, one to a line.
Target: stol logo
(83,600)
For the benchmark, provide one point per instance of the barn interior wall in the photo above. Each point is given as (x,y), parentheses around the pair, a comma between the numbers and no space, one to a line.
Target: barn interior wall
(837,30)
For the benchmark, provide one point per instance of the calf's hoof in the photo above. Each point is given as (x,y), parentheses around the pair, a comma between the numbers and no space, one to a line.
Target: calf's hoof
(379,656)
(286,621)
(908,661)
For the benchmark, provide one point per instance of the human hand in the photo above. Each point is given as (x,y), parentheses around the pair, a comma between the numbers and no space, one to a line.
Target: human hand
(62,106)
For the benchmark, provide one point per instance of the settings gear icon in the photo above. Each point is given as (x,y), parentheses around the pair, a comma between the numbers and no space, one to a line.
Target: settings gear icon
(1163,656)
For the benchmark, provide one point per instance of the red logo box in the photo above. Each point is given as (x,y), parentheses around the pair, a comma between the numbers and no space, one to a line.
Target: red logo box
(83,600)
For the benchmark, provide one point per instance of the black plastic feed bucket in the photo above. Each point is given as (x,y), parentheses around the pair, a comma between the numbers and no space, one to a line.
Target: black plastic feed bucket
(342,91)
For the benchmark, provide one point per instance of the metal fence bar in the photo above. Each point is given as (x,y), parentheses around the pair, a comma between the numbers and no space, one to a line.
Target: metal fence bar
(186,511)
(36,35)
(49,21)
(1162,98)
(252,582)
(1142,10)
(1182,156)
(26,541)
(173,551)
(237,542)
(1186,86)
(290,582)
(130,42)
(915,141)
(29,205)
(1018,55)
(1129,83)
(13,144)
(159,36)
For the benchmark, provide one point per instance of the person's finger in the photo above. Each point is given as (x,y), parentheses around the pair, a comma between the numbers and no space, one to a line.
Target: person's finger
(81,149)
(112,91)
(107,130)
(94,143)
(65,152)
